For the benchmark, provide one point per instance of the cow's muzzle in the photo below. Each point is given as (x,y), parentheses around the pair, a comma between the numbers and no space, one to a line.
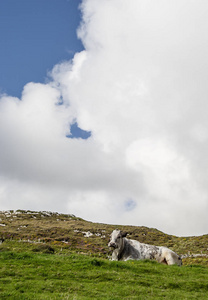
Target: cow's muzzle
(112,244)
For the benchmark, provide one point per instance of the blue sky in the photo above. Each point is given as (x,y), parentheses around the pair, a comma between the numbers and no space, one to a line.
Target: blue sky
(35,35)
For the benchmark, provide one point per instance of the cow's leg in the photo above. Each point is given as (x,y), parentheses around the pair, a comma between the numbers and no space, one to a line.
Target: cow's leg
(164,261)
(172,258)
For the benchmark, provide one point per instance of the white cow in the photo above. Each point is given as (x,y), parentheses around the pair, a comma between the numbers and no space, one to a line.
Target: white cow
(125,249)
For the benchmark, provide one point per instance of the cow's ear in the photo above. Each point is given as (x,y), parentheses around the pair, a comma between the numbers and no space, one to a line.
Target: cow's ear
(123,234)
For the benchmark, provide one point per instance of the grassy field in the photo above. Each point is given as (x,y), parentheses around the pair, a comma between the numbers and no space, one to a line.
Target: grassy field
(69,232)
(29,275)
(55,256)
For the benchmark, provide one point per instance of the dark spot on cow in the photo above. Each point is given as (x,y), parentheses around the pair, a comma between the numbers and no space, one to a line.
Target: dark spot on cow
(164,261)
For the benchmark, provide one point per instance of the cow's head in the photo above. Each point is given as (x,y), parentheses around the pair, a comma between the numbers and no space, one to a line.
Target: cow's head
(116,239)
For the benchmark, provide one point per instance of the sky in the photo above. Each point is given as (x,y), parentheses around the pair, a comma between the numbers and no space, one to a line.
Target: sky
(103,110)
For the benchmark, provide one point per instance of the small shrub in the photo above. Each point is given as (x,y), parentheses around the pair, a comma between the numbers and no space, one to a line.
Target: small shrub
(44,248)
(96,262)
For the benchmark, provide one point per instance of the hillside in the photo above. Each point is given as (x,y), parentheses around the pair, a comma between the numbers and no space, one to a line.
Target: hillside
(64,232)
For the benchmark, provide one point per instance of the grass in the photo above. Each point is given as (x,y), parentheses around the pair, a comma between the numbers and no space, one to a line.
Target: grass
(31,275)
(48,256)
(67,232)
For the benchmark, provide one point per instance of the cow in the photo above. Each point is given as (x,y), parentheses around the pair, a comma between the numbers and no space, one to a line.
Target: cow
(125,249)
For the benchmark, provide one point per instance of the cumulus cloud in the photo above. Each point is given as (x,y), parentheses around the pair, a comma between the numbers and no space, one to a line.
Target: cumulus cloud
(140,88)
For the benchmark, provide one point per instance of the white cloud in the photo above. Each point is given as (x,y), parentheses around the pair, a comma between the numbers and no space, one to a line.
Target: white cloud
(140,88)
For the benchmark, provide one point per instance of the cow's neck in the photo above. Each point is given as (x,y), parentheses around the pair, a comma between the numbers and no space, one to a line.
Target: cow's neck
(121,250)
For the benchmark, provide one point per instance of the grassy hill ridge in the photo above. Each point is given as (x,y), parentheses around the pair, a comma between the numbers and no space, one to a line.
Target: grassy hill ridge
(64,232)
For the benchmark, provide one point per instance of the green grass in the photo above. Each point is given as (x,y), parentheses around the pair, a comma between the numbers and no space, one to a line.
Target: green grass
(66,232)
(40,259)
(30,275)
